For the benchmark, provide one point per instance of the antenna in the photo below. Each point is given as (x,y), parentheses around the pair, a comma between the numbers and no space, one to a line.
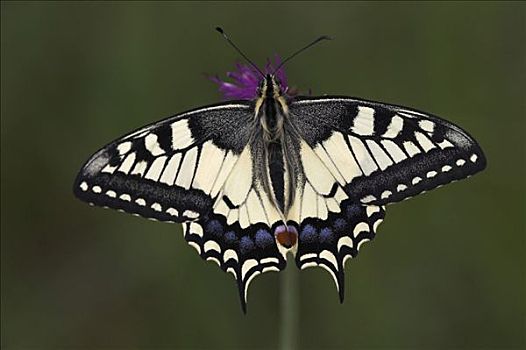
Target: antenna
(321,38)
(220,30)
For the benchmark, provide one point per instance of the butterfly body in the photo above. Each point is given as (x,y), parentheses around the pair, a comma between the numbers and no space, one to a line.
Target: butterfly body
(254,180)
(281,166)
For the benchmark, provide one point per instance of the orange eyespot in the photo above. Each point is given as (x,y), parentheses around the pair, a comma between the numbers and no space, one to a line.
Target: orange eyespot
(287,236)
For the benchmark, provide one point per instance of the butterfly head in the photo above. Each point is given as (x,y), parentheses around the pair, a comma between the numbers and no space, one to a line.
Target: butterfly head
(270,87)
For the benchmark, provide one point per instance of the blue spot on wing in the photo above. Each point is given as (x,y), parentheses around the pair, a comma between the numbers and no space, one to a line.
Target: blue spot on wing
(309,234)
(246,245)
(230,237)
(339,225)
(263,238)
(353,210)
(215,228)
(326,235)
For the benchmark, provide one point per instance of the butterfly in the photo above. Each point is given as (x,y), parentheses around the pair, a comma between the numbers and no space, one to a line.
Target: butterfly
(253,180)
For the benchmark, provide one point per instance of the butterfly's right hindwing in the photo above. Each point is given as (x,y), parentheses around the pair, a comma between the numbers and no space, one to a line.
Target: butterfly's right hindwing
(357,156)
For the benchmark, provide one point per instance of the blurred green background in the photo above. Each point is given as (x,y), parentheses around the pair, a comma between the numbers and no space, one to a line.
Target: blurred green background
(447,269)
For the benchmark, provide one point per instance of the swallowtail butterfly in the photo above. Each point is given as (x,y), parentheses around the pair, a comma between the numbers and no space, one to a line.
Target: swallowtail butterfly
(253,180)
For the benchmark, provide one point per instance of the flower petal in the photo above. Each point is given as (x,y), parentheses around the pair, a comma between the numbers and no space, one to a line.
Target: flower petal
(245,80)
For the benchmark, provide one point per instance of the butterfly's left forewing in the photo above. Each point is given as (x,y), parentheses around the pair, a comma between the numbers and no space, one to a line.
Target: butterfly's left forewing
(194,168)
(167,170)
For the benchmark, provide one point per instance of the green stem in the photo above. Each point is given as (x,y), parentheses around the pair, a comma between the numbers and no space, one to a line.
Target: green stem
(289,295)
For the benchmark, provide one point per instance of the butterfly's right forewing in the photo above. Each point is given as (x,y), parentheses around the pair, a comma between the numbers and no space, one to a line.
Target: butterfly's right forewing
(384,153)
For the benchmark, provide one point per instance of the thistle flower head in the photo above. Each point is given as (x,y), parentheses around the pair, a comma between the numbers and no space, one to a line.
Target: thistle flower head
(245,80)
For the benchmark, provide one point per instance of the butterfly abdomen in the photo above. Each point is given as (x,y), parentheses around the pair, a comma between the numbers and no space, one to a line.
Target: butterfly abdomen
(276,167)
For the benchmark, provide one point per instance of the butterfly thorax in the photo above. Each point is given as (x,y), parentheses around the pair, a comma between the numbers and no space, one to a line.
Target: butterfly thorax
(271,109)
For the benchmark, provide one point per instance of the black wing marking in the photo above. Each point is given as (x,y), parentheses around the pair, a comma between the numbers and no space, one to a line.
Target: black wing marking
(170,170)
(384,153)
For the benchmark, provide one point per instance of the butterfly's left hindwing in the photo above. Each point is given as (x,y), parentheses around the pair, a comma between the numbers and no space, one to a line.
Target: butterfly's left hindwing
(194,168)
(237,233)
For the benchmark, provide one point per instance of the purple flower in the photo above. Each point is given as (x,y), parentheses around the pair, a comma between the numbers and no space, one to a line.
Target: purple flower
(246,81)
